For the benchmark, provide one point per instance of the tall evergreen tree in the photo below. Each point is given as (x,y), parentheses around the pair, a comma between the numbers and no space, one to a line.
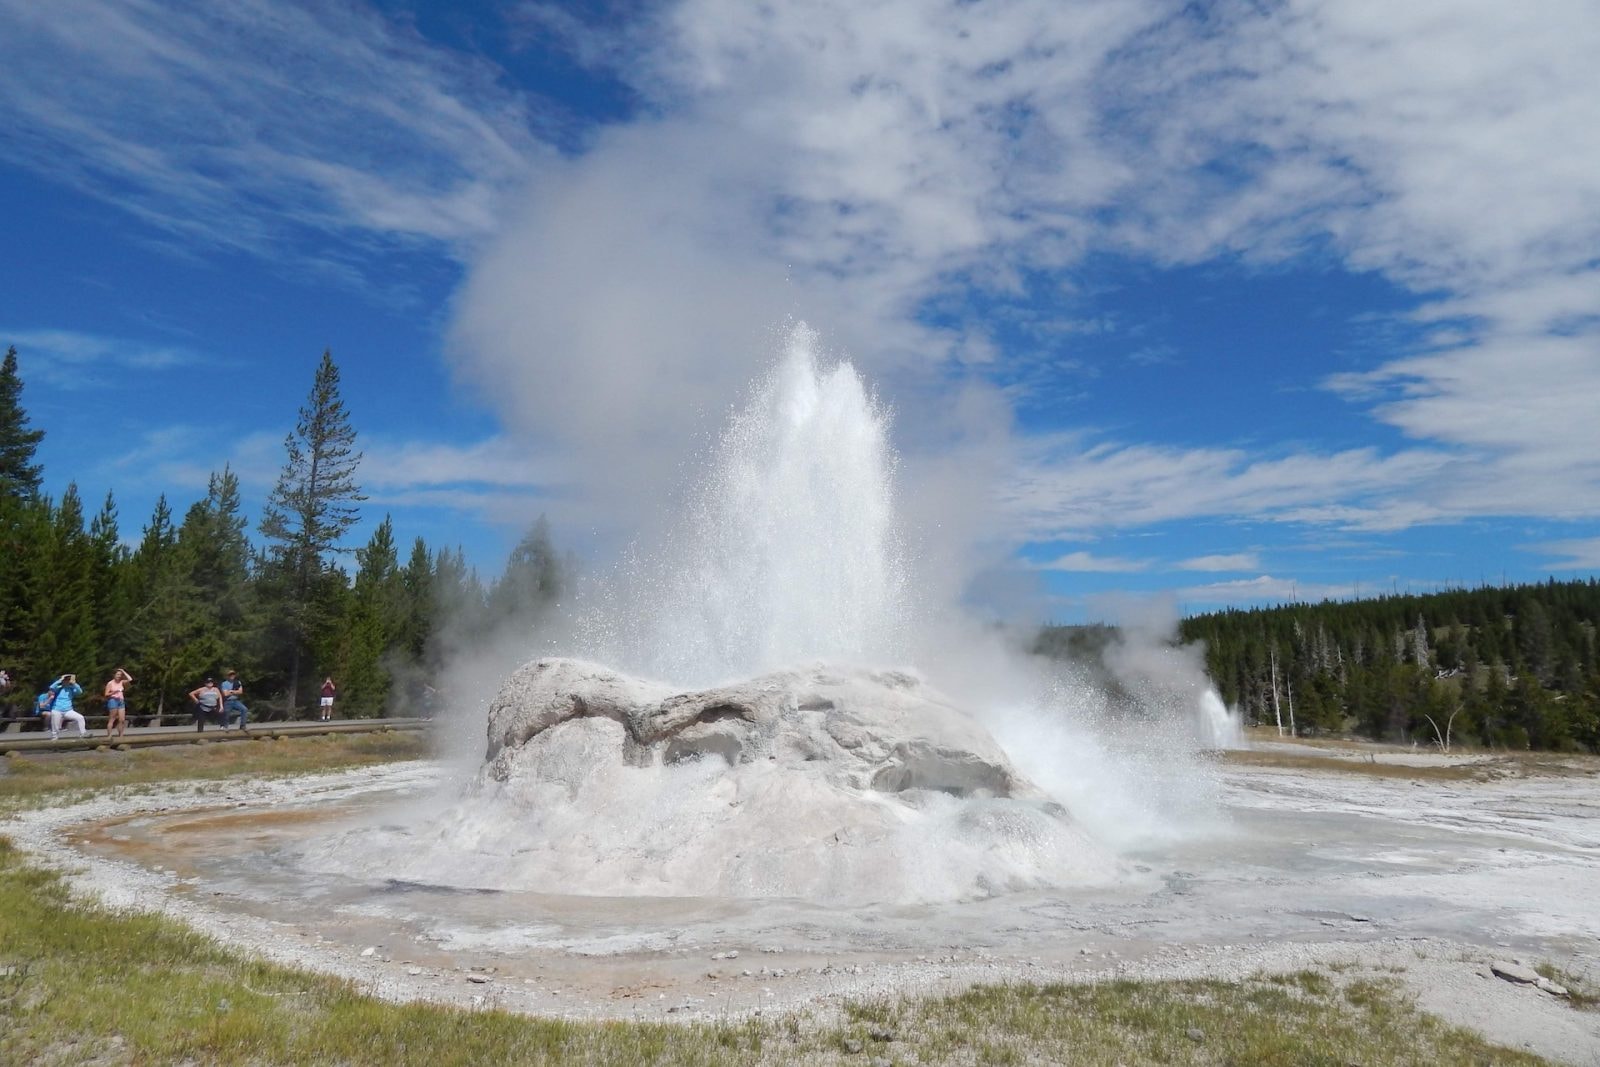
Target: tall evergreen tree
(168,617)
(19,474)
(26,560)
(417,579)
(218,555)
(110,577)
(24,522)
(309,511)
(67,638)
(534,578)
(377,608)
(458,607)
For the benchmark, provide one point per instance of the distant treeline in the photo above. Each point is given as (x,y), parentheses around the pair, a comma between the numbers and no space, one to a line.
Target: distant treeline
(197,596)
(1506,667)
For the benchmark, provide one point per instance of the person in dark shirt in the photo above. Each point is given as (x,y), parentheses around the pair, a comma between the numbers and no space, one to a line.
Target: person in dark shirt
(233,700)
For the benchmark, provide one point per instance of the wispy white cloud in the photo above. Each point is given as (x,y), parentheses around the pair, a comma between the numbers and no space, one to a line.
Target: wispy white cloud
(1088,563)
(248,123)
(1573,554)
(70,359)
(1238,561)
(499,462)
(1075,485)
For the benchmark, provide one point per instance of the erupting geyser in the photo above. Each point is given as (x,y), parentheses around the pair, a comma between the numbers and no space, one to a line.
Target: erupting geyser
(786,552)
(764,740)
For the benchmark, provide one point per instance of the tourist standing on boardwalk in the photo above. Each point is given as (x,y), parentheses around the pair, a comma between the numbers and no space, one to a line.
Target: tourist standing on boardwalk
(233,700)
(64,690)
(328,690)
(207,705)
(117,703)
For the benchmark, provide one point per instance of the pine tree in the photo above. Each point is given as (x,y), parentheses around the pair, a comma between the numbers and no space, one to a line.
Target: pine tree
(458,608)
(19,475)
(168,620)
(377,608)
(218,555)
(25,582)
(1535,640)
(110,578)
(533,581)
(309,511)
(417,578)
(62,617)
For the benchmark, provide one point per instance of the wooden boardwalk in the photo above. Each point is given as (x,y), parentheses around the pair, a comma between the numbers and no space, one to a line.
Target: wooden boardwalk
(143,736)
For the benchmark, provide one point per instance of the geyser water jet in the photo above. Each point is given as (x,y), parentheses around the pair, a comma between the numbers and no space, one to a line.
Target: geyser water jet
(787,551)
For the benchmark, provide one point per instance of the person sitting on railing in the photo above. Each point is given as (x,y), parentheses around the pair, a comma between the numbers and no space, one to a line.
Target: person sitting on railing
(64,690)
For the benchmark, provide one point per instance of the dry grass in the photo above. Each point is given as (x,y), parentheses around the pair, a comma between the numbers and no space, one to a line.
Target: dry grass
(1581,993)
(1313,761)
(61,777)
(1351,757)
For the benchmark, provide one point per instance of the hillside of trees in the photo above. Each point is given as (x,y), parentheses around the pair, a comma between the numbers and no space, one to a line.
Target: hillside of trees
(1503,667)
(197,595)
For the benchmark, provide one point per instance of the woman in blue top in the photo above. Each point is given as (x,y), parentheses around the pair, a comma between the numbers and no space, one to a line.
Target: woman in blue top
(66,689)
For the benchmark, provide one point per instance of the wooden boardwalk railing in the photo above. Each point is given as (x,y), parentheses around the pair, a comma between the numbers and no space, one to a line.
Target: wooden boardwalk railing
(140,736)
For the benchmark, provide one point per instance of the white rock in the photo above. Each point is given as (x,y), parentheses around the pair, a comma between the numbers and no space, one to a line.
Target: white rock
(1515,972)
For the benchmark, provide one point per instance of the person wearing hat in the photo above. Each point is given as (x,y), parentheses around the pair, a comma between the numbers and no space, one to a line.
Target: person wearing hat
(232,700)
(207,705)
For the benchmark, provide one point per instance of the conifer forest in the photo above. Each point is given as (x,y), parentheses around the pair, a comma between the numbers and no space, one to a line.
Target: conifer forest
(196,594)
(1503,667)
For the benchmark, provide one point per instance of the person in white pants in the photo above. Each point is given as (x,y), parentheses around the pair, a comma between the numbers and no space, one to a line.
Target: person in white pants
(66,689)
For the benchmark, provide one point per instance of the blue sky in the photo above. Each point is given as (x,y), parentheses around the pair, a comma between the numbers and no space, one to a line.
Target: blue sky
(1227,302)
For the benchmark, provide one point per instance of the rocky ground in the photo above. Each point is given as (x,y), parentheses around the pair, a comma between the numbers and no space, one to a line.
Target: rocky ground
(1436,882)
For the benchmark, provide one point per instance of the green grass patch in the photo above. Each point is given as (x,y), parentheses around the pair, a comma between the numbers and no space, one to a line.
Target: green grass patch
(1581,993)
(27,778)
(82,983)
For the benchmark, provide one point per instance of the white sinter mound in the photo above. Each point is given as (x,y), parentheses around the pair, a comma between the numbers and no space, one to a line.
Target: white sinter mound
(823,783)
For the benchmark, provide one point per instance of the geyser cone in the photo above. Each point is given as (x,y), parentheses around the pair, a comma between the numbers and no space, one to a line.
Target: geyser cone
(843,785)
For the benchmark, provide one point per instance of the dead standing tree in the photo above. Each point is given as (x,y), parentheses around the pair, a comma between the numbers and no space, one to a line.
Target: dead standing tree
(1443,737)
